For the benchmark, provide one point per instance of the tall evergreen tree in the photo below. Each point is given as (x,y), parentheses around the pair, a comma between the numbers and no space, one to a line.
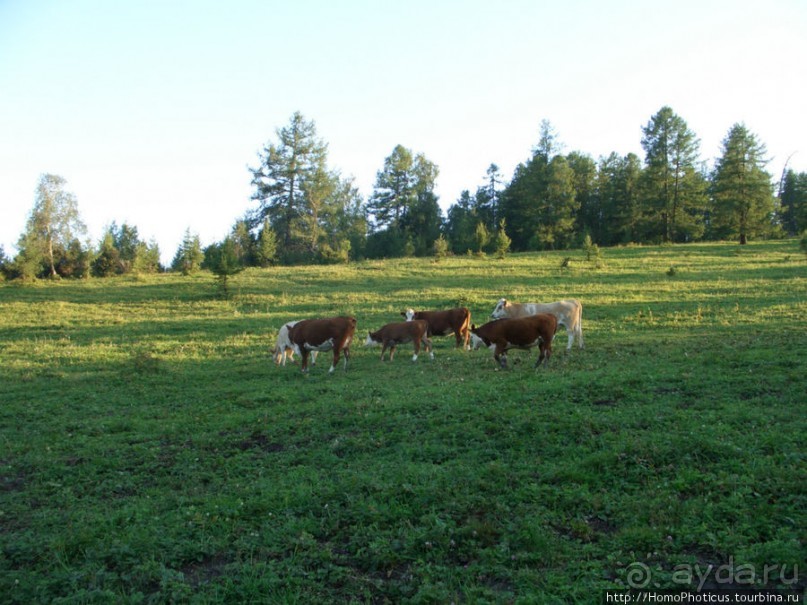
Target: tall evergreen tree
(126,241)
(405,210)
(461,223)
(343,222)
(394,190)
(189,256)
(589,216)
(548,143)
(793,202)
(558,207)
(742,192)
(319,188)
(519,202)
(540,203)
(487,198)
(280,181)
(673,188)
(618,197)
(243,243)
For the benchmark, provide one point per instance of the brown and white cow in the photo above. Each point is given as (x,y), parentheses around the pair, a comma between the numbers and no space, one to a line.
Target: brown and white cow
(283,350)
(445,322)
(393,334)
(502,335)
(333,333)
(569,314)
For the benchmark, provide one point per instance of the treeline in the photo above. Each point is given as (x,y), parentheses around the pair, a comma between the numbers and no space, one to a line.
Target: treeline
(306,212)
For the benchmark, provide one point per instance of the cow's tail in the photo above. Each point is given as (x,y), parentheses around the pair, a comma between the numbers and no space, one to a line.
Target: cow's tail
(465,330)
(579,327)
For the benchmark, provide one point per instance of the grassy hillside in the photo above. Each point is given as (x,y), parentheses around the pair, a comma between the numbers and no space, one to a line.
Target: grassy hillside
(152,453)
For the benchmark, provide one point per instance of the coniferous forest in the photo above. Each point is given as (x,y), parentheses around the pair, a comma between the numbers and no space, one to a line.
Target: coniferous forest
(303,211)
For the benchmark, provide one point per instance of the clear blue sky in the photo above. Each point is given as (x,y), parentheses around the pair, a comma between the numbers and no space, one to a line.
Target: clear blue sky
(152,110)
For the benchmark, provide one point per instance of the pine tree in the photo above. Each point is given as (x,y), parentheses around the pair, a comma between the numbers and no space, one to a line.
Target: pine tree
(481,237)
(107,261)
(189,256)
(223,260)
(673,188)
(742,192)
(403,205)
(501,242)
(394,190)
(280,181)
(618,181)
(793,202)
(266,248)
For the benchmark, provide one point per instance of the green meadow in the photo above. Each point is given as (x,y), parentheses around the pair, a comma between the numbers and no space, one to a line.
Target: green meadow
(153,453)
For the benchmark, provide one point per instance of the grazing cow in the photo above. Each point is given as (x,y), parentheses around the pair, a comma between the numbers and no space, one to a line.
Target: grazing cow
(501,335)
(391,335)
(333,333)
(441,323)
(283,347)
(569,314)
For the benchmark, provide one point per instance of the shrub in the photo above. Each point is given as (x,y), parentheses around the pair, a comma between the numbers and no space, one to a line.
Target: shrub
(440,248)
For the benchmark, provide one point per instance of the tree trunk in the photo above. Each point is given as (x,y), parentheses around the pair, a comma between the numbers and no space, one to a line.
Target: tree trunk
(50,257)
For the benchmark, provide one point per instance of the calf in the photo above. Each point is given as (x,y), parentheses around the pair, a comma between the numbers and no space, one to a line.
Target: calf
(524,333)
(333,333)
(569,314)
(391,335)
(283,346)
(441,323)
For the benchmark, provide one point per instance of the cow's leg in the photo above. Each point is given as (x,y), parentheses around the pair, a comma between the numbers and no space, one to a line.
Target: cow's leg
(542,348)
(428,343)
(391,351)
(579,331)
(346,353)
(546,351)
(304,358)
(500,355)
(571,339)
(383,348)
(335,360)
(416,345)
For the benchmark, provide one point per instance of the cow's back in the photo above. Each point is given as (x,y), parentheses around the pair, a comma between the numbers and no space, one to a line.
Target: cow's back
(317,331)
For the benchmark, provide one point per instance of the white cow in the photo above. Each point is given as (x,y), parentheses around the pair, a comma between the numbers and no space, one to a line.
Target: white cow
(569,314)
(284,348)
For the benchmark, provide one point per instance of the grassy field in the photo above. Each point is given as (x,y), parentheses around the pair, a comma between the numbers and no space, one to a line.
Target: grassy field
(151,452)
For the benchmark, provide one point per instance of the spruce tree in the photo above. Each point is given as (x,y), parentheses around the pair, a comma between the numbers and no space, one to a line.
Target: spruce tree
(742,192)
(673,189)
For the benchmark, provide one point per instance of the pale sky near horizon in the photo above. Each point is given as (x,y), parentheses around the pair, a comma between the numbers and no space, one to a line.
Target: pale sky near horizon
(153,110)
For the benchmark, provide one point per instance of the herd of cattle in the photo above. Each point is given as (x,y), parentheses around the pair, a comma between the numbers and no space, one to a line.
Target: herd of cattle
(514,326)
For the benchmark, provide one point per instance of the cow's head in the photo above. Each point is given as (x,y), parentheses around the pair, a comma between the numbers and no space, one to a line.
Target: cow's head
(499,309)
(370,341)
(476,341)
(409,314)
